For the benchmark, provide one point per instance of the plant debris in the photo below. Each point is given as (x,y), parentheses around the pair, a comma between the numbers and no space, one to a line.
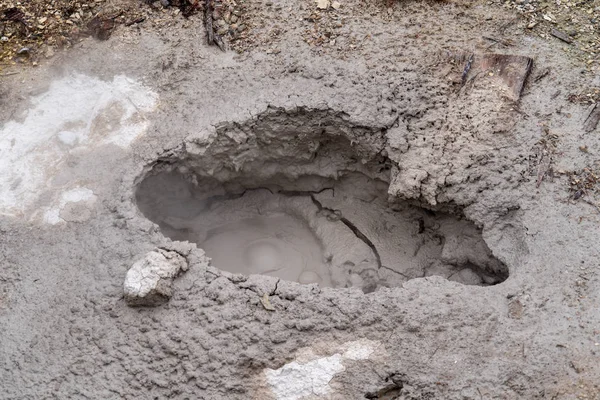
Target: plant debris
(222,18)
(586,96)
(593,118)
(212,37)
(586,183)
(542,159)
(561,35)
(44,26)
(187,7)
(266,302)
(573,22)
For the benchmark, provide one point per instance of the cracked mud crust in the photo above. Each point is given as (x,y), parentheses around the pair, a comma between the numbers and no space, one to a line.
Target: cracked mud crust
(390,86)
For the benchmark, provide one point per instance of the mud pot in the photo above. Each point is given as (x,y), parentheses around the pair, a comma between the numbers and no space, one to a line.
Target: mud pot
(309,205)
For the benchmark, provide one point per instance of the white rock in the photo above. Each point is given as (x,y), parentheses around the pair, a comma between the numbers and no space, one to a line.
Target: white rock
(308,376)
(322,4)
(295,381)
(149,281)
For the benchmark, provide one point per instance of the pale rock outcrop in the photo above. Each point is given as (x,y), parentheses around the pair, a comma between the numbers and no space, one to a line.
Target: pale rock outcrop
(149,281)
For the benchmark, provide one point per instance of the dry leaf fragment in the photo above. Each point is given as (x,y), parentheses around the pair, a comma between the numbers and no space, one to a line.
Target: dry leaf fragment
(267,303)
(548,17)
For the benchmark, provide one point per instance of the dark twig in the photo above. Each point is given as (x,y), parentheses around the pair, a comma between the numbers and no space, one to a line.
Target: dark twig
(211,36)
(543,169)
(467,69)
(542,75)
(135,21)
(592,119)
(504,27)
(506,43)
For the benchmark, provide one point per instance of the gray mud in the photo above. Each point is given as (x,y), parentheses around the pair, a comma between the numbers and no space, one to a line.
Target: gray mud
(348,136)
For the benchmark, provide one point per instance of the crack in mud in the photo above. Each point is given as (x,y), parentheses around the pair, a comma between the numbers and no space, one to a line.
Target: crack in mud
(355,230)
(394,271)
(274,291)
(334,304)
(352,227)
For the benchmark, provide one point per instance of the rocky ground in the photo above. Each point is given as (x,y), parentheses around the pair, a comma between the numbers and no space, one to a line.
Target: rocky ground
(91,108)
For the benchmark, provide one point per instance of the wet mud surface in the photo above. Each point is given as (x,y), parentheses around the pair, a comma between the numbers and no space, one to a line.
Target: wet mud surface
(341,234)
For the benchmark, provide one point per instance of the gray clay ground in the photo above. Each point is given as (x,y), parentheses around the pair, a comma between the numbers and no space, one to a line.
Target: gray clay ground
(147,101)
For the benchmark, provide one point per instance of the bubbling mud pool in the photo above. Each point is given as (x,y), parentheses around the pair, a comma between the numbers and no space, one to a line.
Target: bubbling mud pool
(306,204)
(277,244)
(343,235)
